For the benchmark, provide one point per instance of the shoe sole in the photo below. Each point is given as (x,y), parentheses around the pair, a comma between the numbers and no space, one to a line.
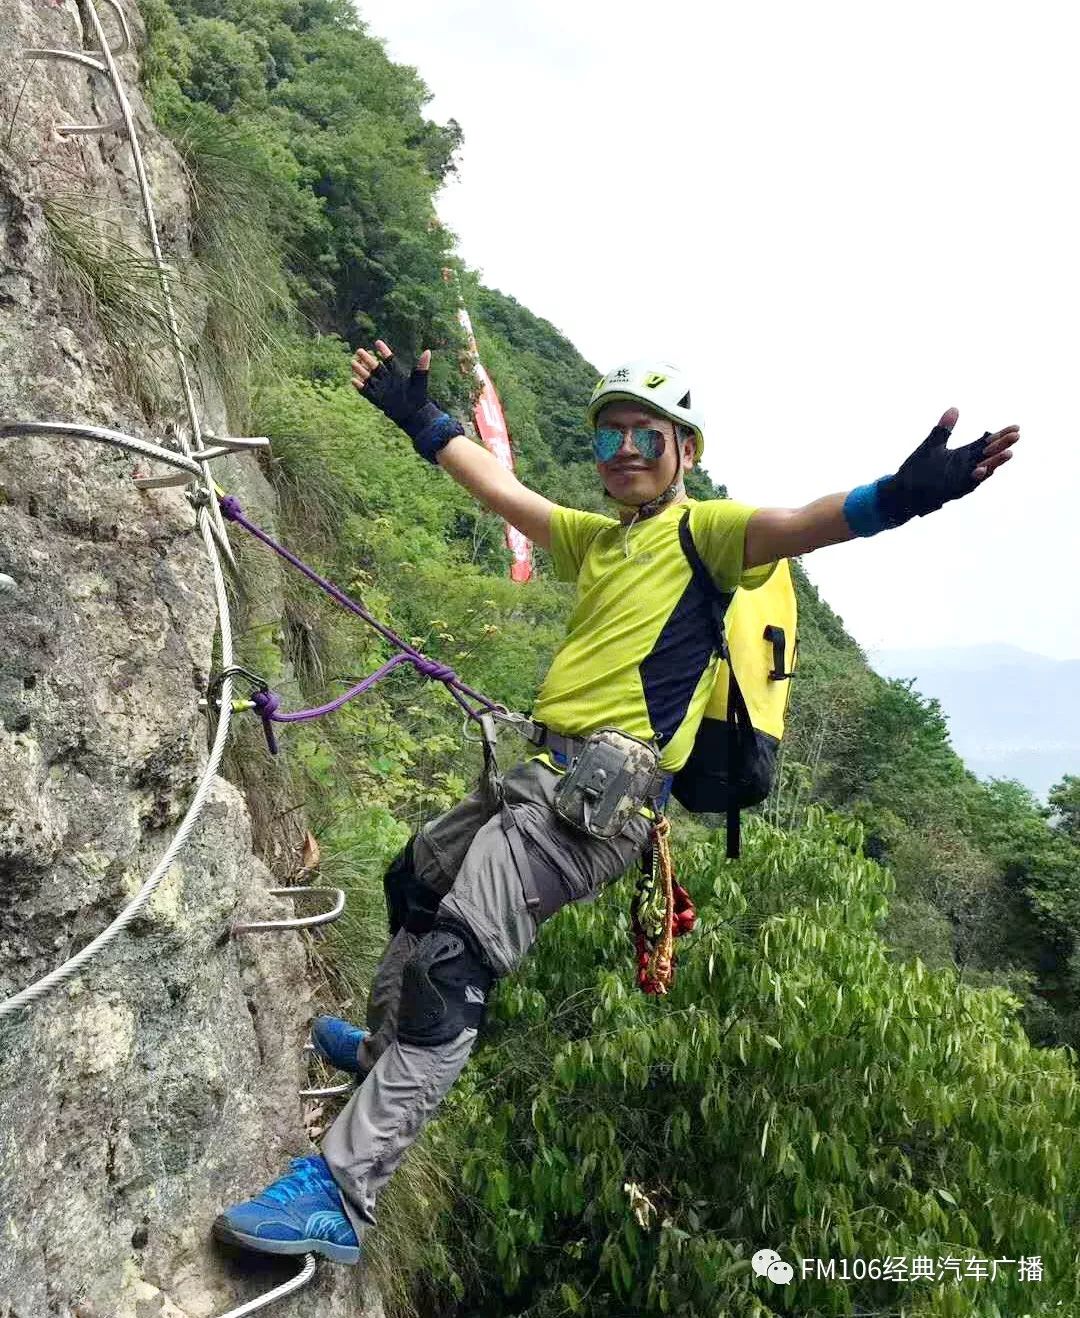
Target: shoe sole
(225,1231)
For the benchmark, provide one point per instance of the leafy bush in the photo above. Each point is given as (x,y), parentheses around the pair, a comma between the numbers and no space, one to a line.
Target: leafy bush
(797,1090)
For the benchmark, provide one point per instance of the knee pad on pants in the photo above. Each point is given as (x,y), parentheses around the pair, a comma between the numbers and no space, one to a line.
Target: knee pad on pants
(444,987)
(410,903)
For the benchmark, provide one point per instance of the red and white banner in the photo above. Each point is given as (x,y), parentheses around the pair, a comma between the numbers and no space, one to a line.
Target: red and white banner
(491,425)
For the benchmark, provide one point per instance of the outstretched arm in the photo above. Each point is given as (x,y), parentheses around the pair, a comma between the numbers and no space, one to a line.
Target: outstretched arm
(499,490)
(404,400)
(931,477)
(773,533)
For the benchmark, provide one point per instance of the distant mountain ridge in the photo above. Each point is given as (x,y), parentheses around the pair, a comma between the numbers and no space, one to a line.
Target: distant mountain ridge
(1012,713)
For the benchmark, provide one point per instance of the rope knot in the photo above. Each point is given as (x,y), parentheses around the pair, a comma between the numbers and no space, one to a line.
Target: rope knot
(230,507)
(266,703)
(436,671)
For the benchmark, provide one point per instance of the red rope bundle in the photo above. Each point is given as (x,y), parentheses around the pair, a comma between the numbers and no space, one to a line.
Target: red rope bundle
(655,927)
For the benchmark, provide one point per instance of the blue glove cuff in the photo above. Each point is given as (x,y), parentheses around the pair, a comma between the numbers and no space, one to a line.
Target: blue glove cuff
(861,511)
(436,435)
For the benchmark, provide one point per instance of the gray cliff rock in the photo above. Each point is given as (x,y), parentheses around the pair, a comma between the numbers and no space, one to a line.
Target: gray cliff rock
(161,1083)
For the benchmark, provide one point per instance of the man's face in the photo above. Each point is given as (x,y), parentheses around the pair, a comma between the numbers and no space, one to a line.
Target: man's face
(628,477)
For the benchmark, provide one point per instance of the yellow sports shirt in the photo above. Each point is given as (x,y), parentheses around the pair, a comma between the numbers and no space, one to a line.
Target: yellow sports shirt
(638,653)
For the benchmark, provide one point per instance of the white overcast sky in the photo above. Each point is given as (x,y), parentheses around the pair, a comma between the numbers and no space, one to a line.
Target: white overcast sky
(843,218)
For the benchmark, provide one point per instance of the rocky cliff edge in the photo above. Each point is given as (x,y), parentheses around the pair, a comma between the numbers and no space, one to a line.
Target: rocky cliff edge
(161,1083)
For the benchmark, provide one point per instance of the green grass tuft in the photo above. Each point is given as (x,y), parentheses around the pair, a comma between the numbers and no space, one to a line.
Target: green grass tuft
(120,287)
(234,191)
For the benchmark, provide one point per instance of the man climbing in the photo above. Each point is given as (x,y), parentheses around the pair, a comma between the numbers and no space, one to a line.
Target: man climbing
(470,890)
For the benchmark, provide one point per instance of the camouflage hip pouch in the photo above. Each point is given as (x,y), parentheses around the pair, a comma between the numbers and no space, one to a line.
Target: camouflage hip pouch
(608,781)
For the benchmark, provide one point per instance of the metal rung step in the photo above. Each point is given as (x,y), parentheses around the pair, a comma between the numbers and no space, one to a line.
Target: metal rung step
(299,922)
(279,1292)
(330,1091)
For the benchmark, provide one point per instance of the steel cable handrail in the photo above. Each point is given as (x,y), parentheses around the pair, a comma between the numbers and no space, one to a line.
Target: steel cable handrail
(193,460)
(116,438)
(208,517)
(64,972)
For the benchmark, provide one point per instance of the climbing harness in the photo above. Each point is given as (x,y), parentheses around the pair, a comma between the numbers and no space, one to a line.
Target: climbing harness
(660,912)
(659,904)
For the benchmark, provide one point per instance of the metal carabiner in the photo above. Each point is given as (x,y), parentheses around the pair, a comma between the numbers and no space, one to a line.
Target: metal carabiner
(235,670)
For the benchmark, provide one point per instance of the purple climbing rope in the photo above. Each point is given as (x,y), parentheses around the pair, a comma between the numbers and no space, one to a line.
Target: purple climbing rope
(267,702)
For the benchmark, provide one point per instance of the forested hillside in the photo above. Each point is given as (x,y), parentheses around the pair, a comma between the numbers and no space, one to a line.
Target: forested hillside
(1011,712)
(860,1054)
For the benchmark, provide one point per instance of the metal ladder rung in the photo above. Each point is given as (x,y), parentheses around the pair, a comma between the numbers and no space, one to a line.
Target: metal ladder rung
(221,448)
(234,443)
(162,482)
(125,31)
(75,56)
(80,57)
(90,130)
(300,922)
(279,1292)
(330,1091)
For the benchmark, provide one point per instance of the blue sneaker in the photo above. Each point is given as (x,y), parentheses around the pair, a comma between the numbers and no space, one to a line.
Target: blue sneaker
(337,1041)
(301,1213)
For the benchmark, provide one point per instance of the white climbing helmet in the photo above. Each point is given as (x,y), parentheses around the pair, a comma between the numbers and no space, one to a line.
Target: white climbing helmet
(659,385)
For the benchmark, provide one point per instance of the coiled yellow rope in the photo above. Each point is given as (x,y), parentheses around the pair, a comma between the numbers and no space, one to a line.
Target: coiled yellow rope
(660,912)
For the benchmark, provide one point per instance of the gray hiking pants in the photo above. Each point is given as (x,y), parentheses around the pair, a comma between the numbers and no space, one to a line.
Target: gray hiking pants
(465,856)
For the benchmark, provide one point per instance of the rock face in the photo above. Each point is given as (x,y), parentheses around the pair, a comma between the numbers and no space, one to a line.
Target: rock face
(161,1083)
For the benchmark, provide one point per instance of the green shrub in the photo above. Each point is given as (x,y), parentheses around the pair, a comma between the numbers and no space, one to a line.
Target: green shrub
(797,1090)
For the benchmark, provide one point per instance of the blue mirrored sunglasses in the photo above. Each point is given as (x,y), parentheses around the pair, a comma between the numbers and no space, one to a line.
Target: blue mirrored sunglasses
(607,440)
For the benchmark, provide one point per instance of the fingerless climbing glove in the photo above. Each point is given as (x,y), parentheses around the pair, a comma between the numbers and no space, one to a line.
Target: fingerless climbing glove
(403,398)
(932,476)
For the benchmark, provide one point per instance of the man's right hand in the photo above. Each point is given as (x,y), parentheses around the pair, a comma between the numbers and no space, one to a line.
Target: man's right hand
(403,398)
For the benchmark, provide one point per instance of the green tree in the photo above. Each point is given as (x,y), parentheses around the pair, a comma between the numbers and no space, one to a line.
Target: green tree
(1064,801)
(230,67)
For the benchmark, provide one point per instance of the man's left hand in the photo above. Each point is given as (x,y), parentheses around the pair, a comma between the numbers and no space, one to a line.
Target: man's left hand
(935,474)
